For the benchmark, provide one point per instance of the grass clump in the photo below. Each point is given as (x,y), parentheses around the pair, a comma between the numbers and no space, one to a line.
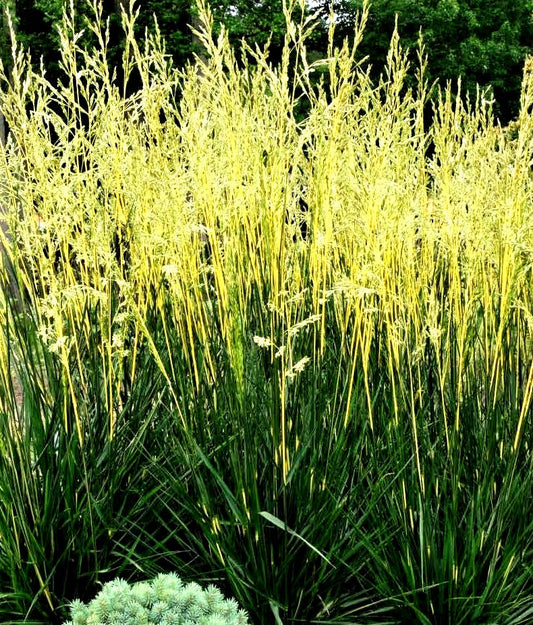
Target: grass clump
(288,353)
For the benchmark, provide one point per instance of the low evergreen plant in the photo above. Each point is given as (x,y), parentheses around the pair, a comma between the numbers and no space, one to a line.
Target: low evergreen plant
(166,600)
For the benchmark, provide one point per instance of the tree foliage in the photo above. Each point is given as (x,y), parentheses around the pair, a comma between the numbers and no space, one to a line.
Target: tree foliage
(484,43)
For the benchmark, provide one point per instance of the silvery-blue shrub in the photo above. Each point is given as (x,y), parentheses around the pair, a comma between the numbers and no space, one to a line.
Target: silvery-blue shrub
(166,600)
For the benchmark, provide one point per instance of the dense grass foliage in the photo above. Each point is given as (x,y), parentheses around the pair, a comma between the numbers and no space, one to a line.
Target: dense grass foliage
(290,357)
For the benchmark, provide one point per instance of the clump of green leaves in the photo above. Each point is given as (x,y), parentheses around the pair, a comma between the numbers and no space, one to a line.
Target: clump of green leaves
(166,600)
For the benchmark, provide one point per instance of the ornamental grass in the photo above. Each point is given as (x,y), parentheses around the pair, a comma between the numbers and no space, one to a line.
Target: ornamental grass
(270,327)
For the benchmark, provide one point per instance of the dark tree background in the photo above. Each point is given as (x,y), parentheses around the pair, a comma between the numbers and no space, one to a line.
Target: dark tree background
(483,41)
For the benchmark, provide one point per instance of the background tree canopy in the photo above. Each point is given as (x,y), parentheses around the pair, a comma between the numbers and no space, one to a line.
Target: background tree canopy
(485,43)
(482,42)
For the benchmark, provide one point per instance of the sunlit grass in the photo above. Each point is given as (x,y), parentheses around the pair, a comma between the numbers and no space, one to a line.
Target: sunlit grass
(292,356)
